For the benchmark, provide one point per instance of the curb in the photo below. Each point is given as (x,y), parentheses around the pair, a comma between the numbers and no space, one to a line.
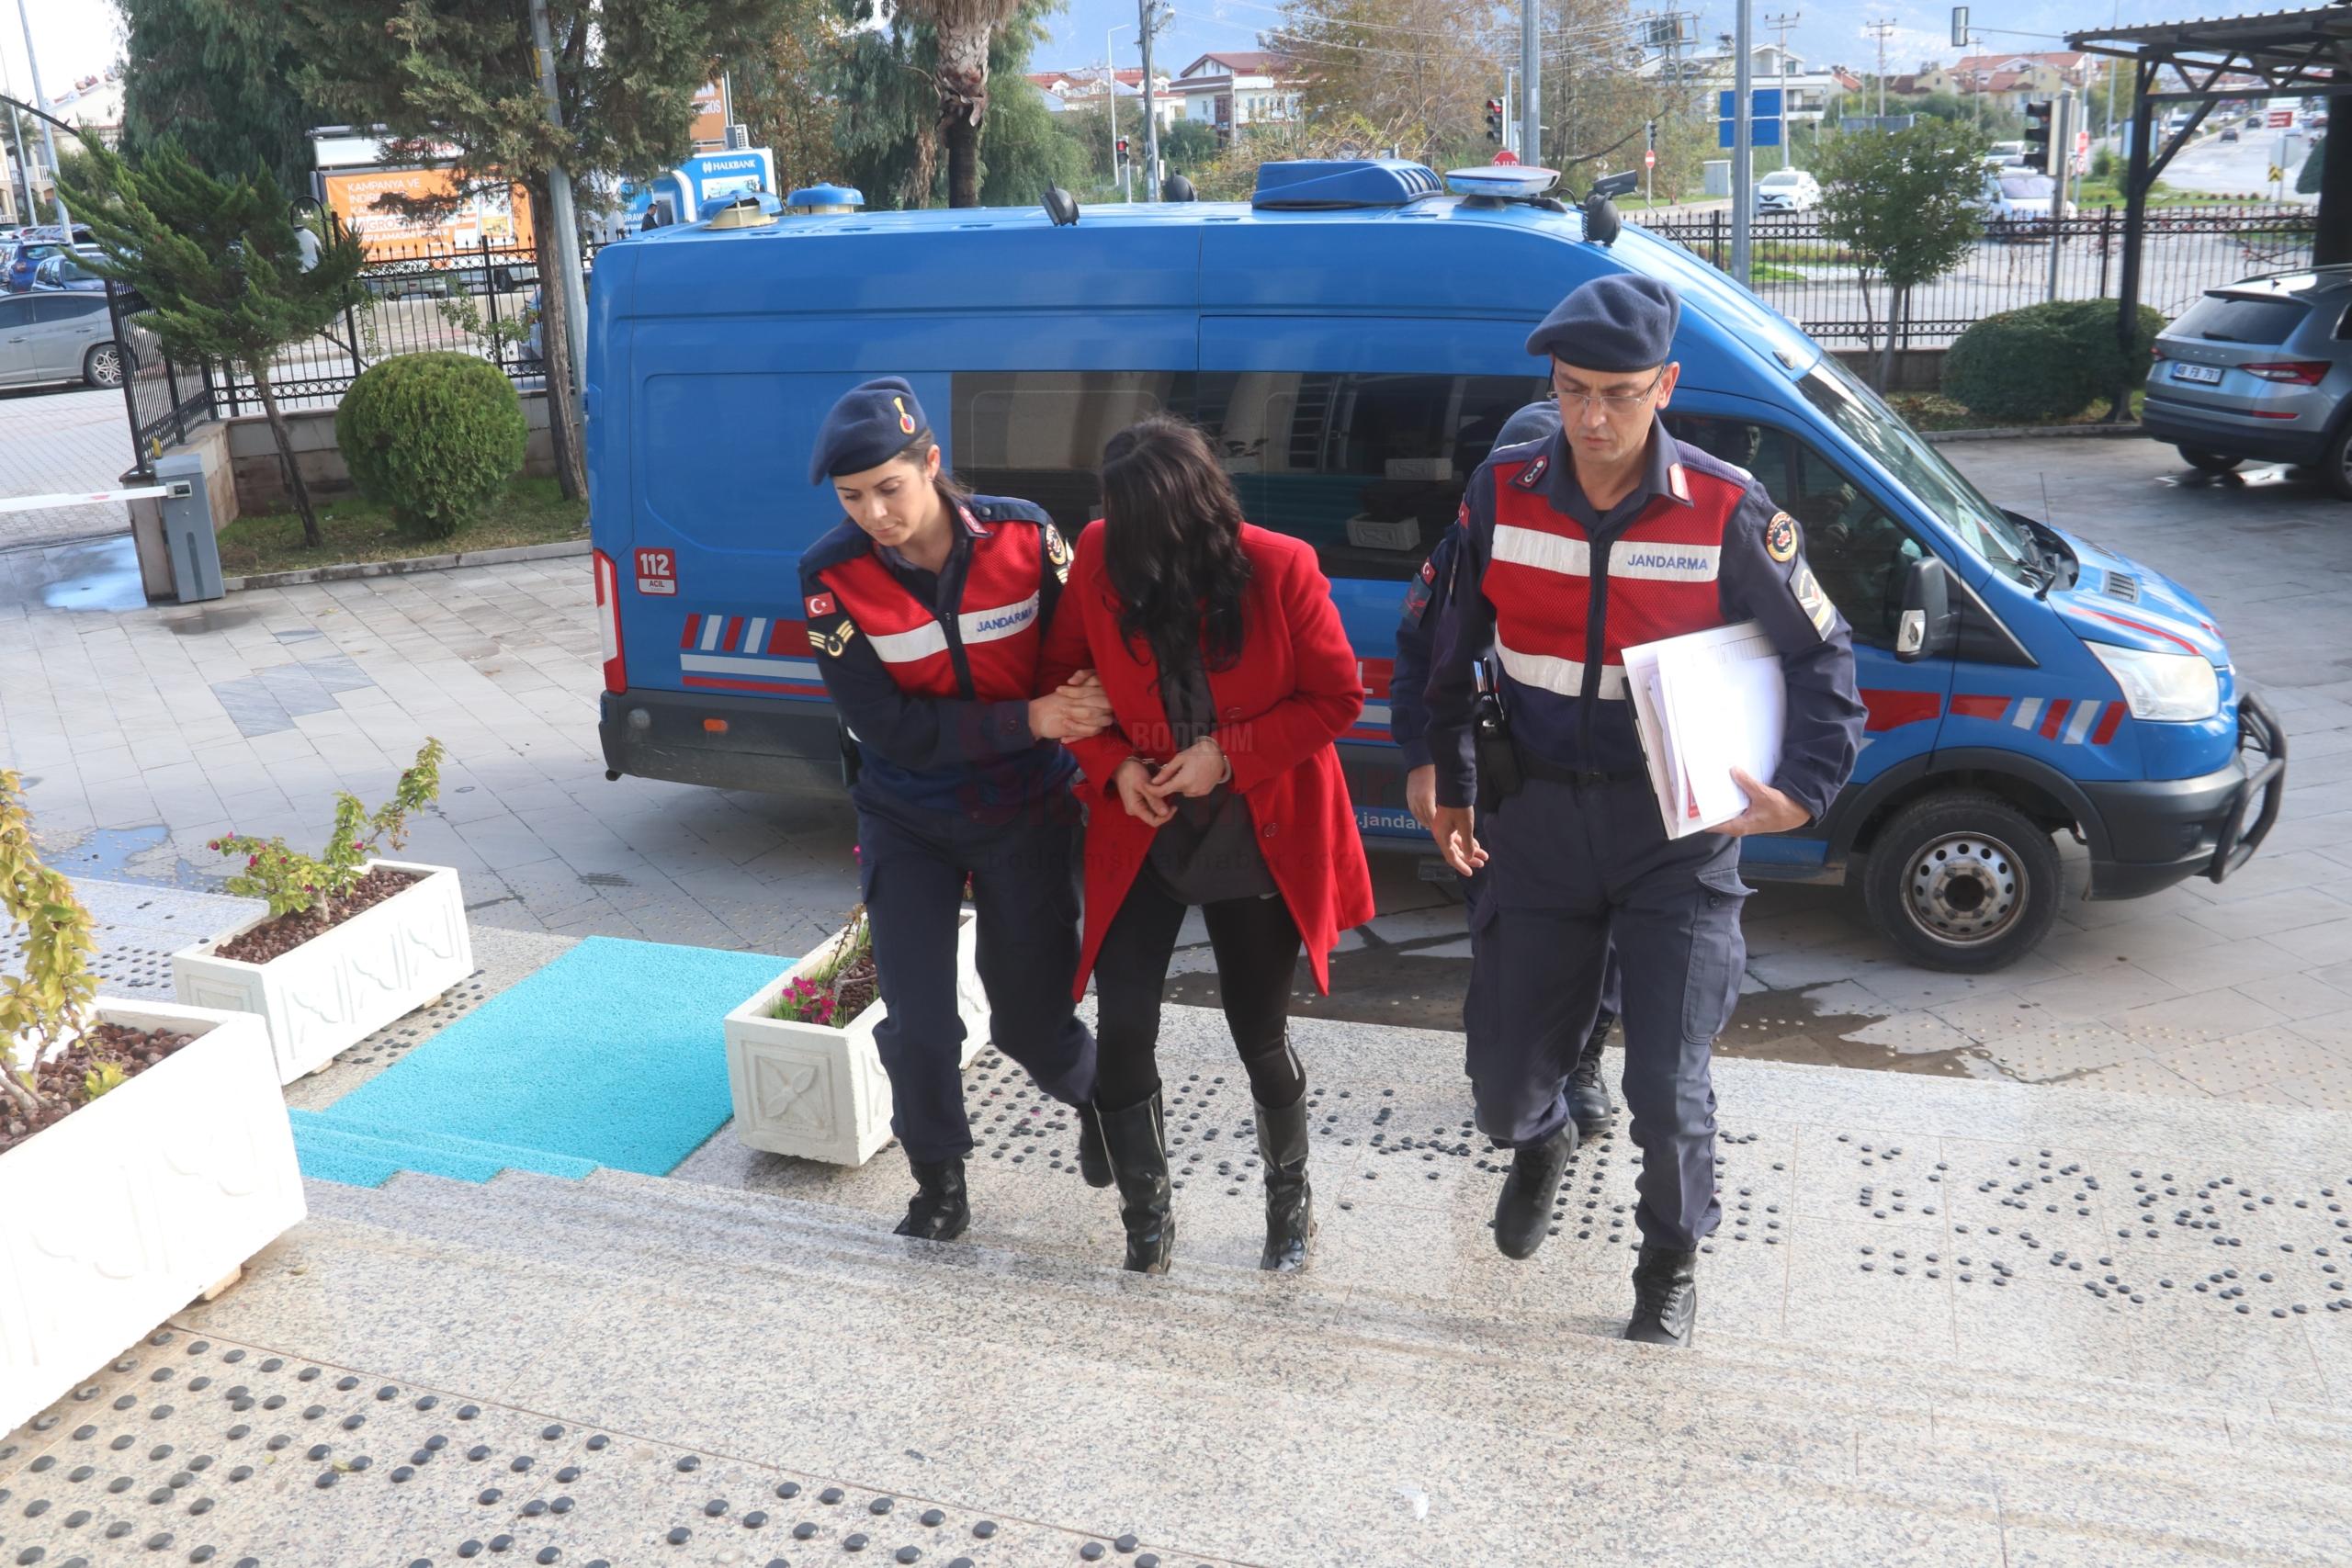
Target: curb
(2013,433)
(349,569)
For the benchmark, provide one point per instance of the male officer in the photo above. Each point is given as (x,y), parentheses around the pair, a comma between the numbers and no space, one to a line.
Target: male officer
(1409,722)
(1612,533)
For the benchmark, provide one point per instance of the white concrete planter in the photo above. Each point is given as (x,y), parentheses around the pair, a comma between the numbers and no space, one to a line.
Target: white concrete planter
(820,1092)
(121,1214)
(344,984)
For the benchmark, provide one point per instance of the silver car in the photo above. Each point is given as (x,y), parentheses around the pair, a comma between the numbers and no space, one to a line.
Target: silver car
(57,336)
(2261,370)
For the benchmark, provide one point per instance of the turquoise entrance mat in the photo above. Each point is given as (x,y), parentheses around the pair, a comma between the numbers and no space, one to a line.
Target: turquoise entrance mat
(613,1054)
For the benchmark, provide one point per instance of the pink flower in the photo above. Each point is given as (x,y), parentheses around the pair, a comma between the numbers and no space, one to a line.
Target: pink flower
(251,861)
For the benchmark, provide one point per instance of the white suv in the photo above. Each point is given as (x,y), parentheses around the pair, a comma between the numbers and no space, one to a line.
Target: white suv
(1787,190)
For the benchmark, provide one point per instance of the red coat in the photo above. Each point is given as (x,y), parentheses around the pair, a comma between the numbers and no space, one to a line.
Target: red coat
(1294,690)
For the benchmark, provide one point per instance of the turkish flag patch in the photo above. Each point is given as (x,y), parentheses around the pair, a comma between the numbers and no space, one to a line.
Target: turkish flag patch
(819,604)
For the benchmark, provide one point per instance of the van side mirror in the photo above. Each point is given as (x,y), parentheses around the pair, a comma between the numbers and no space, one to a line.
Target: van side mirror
(1060,206)
(1176,187)
(1601,222)
(1927,628)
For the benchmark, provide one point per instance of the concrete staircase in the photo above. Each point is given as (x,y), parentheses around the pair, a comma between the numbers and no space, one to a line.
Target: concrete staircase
(1301,1421)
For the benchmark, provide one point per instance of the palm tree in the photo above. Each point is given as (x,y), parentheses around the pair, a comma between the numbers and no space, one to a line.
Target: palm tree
(962,28)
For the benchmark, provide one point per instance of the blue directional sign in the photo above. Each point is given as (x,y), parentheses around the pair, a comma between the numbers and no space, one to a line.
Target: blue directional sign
(1764,117)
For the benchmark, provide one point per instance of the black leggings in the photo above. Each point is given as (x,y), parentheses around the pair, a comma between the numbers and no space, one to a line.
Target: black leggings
(1257,946)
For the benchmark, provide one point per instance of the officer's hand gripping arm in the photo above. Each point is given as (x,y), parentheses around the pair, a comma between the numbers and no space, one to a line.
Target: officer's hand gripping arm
(1463,634)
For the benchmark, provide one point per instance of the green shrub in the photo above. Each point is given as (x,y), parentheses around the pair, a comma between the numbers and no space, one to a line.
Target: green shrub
(432,436)
(2046,362)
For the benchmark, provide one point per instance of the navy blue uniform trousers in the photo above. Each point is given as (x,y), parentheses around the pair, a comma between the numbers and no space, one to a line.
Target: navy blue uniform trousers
(1025,875)
(1574,872)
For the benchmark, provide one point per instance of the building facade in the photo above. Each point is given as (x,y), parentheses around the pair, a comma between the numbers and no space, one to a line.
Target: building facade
(1233,90)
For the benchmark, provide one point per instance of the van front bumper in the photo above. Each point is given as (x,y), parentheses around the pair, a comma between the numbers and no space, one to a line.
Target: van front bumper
(774,747)
(2160,831)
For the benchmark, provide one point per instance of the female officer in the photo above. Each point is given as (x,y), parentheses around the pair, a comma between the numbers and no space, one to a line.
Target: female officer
(926,607)
(1229,678)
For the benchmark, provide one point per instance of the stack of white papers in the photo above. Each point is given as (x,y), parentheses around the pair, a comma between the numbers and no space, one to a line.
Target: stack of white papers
(1706,704)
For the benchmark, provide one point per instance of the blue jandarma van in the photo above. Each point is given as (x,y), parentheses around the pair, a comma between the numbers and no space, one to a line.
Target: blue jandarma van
(1351,340)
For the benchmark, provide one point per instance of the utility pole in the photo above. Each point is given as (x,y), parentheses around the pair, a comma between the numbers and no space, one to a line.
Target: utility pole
(1510,96)
(1531,76)
(1782,24)
(567,229)
(2061,152)
(1111,86)
(1148,14)
(1881,29)
(30,212)
(1742,142)
(2115,19)
(48,137)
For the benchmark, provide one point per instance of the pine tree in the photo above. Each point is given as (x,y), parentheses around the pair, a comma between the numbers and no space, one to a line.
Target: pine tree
(215,76)
(463,74)
(218,261)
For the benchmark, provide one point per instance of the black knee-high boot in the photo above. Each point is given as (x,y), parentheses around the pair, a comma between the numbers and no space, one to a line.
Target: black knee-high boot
(1290,1201)
(1137,1141)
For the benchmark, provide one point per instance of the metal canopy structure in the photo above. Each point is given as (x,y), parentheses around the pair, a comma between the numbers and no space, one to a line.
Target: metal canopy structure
(2305,52)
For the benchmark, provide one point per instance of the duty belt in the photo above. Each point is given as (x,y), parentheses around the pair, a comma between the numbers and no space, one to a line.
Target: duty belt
(1536,767)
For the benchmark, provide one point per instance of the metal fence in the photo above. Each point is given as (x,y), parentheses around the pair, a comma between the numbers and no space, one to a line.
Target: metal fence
(1814,281)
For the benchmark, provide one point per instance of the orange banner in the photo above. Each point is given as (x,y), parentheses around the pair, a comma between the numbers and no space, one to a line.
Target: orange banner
(710,129)
(503,219)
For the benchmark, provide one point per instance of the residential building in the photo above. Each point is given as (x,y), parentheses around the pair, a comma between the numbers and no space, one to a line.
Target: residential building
(2010,81)
(1083,88)
(1808,93)
(1236,89)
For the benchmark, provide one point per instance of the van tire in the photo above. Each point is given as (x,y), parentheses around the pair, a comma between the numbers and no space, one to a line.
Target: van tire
(2335,469)
(102,367)
(1963,881)
(2209,462)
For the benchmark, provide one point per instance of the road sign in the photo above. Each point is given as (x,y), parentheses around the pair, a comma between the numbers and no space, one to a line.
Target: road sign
(1649,158)
(1506,156)
(1764,118)
(2281,119)
(2276,175)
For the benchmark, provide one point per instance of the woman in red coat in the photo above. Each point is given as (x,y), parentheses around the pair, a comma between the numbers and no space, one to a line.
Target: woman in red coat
(1216,785)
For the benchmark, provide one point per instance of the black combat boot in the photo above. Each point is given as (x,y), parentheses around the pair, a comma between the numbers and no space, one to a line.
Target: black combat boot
(1666,1296)
(939,1210)
(1136,1140)
(1524,1212)
(1588,1100)
(1094,1159)
(1290,1203)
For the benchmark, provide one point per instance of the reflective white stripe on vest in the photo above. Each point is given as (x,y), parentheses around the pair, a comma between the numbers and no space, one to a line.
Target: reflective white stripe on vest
(910,647)
(987,625)
(1564,677)
(1544,552)
(1665,563)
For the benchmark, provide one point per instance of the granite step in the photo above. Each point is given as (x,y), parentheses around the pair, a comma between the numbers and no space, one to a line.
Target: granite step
(2029,1398)
(2071,1459)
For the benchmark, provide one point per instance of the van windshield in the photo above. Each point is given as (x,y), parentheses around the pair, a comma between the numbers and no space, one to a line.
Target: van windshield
(1856,411)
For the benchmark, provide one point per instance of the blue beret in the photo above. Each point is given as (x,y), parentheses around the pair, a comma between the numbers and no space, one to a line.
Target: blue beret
(1533,422)
(1620,322)
(869,427)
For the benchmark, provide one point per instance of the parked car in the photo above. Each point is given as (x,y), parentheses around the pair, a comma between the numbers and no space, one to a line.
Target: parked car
(1787,190)
(2257,370)
(58,335)
(35,245)
(2017,200)
(62,271)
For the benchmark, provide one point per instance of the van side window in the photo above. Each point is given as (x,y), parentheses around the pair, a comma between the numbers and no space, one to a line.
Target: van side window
(1368,468)
(1039,435)
(1857,551)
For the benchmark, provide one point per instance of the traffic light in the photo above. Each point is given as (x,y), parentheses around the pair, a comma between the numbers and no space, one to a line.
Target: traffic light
(1122,149)
(2039,138)
(1494,120)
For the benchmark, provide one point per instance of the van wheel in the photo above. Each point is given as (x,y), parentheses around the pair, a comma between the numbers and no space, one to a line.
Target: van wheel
(1963,881)
(2209,462)
(2335,469)
(102,367)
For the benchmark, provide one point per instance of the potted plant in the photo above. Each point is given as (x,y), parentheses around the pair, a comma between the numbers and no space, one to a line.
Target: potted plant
(350,941)
(145,1148)
(801,1064)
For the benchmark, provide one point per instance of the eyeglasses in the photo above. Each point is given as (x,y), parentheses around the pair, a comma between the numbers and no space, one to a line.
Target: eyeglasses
(1609,402)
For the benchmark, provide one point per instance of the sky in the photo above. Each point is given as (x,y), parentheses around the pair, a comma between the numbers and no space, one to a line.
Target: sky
(76,38)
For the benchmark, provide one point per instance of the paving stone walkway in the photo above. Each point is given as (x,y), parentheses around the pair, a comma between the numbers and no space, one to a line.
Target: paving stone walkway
(54,440)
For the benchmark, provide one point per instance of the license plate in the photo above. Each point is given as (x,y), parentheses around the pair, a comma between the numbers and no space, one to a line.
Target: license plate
(2207,373)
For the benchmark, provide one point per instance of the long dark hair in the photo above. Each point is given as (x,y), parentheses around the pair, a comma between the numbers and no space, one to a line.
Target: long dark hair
(1172,542)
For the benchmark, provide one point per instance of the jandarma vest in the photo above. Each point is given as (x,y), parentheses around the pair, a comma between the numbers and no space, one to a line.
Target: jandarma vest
(1660,568)
(996,624)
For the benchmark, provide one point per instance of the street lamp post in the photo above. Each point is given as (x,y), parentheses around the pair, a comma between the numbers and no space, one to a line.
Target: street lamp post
(1111,90)
(48,137)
